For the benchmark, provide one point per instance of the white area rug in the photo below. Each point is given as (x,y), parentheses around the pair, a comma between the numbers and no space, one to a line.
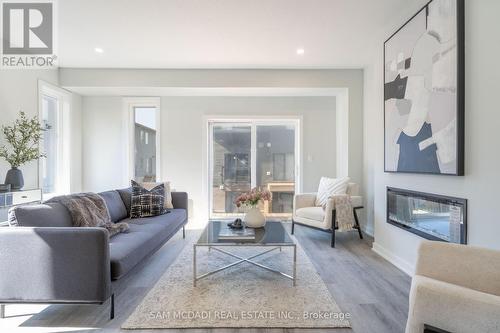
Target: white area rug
(244,296)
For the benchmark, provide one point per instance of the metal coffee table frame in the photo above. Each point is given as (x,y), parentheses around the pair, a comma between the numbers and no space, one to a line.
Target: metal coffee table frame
(216,247)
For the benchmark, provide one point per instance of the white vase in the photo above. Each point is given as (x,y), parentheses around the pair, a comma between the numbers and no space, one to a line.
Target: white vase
(254,218)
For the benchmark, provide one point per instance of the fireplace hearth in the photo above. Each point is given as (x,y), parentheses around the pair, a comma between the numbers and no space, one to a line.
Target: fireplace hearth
(431,216)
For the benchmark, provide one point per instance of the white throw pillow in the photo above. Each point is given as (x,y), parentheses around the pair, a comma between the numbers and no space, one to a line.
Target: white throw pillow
(329,187)
(168,193)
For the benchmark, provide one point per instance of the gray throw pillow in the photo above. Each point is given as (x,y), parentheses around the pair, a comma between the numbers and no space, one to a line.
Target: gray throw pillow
(146,203)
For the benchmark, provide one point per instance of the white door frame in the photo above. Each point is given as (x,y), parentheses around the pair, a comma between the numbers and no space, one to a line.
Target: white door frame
(63,97)
(253,122)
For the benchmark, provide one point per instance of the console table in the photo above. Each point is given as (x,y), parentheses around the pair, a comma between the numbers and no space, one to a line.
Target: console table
(15,198)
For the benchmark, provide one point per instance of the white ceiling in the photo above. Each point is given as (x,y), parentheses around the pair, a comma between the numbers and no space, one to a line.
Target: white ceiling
(221,33)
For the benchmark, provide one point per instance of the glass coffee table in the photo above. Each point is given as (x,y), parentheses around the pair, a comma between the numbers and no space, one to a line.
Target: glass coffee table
(272,236)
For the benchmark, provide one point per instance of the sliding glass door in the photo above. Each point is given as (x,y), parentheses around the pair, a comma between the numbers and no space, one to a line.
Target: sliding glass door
(276,166)
(252,153)
(231,165)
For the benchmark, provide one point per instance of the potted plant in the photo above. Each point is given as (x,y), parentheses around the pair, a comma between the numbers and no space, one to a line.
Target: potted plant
(253,217)
(23,137)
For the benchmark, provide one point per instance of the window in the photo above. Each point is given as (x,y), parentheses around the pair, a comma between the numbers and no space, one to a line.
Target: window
(49,120)
(253,153)
(54,118)
(144,115)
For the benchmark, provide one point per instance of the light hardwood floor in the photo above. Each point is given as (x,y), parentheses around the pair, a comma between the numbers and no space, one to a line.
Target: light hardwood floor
(365,285)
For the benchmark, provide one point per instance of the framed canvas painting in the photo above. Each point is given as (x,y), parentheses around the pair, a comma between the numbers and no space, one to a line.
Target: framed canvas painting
(424,92)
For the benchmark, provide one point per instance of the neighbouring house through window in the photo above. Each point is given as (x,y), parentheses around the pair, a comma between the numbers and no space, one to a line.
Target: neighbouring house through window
(253,153)
(144,114)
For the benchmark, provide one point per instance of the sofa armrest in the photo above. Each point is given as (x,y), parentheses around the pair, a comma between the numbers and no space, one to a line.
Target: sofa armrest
(463,265)
(450,307)
(303,200)
(180,200)
(54,264)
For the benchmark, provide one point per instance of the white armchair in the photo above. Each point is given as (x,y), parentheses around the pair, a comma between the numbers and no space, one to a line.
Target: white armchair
(456,288)
(306,213)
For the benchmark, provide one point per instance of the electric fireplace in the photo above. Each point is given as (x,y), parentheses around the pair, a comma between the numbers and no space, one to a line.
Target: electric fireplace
(432,216)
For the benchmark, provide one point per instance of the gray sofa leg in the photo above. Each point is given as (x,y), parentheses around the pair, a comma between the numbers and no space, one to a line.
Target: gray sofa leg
(2,311)
(293,227)
(183,232)
(112,307)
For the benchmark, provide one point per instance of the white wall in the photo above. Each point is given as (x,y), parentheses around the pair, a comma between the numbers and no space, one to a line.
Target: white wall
(103,147)
(182,141)
(183,129)
(100,131)
(76,177)
(150,82)
(481,182)
(19,92)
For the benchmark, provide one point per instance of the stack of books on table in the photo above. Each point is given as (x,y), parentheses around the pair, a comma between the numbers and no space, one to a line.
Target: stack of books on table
(227,233)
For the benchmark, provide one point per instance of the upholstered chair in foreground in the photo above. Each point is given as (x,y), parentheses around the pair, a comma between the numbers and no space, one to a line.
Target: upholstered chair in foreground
(306,213)
(456,288)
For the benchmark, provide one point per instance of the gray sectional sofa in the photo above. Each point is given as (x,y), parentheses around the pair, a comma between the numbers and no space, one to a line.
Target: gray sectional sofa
(46,260)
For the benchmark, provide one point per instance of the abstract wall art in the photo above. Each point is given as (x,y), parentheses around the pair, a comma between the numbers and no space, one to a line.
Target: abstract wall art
(424,92)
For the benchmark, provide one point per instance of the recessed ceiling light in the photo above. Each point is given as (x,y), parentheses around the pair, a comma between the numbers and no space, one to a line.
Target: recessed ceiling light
(300,51)
(98,50)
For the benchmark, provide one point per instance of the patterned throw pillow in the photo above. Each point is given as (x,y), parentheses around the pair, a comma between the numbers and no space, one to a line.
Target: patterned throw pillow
(145,203)
(329,187)
(168,192)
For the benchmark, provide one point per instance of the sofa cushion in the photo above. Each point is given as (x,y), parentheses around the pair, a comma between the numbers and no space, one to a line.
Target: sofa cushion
(145,236)
(146,203)
(126,195)
(116,207)
(41,215)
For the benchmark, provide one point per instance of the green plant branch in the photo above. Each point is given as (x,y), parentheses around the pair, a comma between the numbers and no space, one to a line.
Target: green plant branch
(24,137)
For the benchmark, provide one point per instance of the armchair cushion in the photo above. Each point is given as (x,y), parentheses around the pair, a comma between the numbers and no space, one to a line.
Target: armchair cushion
(330,186)
(306,212)
(311,213)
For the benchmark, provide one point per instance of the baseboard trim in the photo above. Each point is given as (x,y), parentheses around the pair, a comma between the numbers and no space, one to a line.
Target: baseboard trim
(368,231)
(393,259)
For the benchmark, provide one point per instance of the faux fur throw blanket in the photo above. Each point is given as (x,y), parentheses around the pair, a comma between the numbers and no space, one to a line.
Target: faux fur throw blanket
(343,211)
(90,210)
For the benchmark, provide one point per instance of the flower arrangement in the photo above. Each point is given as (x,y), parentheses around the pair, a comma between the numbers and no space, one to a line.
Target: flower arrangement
(24,137)
(253,197)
